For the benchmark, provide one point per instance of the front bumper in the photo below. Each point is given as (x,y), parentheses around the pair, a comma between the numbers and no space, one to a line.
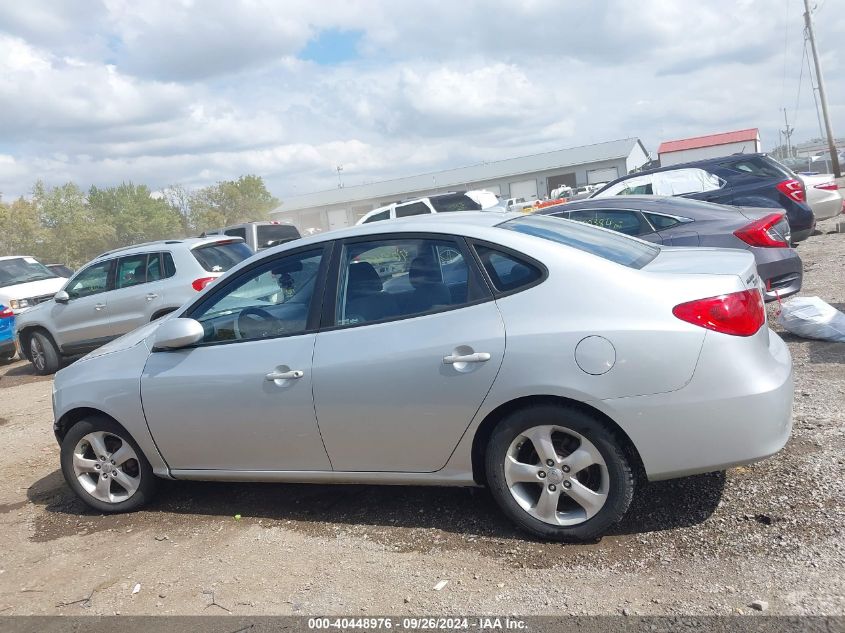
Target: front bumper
(737,409)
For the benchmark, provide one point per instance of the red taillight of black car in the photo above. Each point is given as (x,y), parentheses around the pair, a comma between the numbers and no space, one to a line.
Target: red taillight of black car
(793,189)
(763,232)
(738,313)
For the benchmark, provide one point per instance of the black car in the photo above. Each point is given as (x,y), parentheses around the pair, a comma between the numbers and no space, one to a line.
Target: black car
(745,180)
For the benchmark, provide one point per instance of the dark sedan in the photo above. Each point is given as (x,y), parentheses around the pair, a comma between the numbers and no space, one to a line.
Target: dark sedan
(685,222)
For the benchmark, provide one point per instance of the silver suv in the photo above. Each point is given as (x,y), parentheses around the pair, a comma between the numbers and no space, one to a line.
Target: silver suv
(119,291)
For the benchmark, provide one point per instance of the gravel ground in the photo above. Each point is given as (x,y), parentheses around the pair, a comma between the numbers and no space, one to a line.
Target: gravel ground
(713,544)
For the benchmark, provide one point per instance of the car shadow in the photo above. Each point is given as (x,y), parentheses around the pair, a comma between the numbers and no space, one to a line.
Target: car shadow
(819,352)
(657,506)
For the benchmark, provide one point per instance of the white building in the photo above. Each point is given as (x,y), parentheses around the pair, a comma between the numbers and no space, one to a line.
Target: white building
(711,146)
(528,177)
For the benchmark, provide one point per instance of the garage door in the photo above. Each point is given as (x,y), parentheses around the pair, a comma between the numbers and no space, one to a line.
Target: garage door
(338,219)
(602,175)
(524,189)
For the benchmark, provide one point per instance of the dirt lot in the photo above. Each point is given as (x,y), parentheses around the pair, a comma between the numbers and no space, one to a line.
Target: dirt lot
(774,531)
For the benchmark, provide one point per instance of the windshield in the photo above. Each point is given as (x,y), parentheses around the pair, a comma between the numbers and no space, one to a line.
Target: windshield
(607,244)
(221,256)
(21,270)
(457,202)
(273,234)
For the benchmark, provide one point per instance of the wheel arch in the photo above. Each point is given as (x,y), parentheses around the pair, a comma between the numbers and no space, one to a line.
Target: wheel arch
(482,434)
(25,334)
(70,418)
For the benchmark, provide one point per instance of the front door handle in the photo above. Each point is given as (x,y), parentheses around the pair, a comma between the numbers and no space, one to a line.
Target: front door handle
(478,357)
(285,375)
(100,306)
(151,296)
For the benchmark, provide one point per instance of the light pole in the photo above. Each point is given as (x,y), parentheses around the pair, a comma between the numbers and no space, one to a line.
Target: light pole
(831,145)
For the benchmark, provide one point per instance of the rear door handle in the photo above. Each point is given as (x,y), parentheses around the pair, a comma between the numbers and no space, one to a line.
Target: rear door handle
(100,306)
(285,375)
(151,296)
(478,357)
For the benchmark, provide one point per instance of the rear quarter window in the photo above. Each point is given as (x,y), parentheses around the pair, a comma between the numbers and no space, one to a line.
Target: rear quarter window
(507,271)
(220,257)
(606,244)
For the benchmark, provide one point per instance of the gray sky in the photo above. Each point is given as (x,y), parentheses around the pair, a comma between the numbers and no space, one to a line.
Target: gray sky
(191,92)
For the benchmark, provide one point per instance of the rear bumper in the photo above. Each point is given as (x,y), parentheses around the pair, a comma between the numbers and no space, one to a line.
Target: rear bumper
(736,409)
(7,347)
(803,234)
(781,271)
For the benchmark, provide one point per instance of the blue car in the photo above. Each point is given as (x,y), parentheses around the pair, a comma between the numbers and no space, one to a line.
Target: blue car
(742,180)
(7,333)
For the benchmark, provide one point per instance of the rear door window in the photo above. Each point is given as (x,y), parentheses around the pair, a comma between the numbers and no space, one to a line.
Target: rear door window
(617,248)
(221,256)
(131,271)
(454,202)
(415,208)
(274,234)
(679,182)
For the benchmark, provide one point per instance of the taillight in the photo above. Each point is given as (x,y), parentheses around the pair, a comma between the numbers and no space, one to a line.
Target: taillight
(738,313)
(762,232)
(827,186)
(792,189)
(5,313)
(202,282)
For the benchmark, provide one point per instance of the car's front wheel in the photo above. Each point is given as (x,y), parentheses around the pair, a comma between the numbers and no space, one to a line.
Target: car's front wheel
(105,467)
(43,354)
(557,472)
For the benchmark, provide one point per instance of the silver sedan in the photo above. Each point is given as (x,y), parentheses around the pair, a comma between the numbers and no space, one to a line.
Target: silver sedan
(552,361)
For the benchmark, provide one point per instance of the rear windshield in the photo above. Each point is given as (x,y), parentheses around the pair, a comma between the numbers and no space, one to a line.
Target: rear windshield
(457,202)
(272,234)
(220,257)
(607,244)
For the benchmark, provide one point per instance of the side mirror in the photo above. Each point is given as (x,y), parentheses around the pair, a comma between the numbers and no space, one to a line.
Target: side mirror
(177,333)
(61,297)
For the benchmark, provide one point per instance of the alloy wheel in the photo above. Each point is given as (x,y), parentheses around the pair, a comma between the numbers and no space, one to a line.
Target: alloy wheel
(106,467)
(556,475)
(36,350)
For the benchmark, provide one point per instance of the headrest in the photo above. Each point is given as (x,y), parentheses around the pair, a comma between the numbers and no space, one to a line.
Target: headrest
(423,271)
(363,278)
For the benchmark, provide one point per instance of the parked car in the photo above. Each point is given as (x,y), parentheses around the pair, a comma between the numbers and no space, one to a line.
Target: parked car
(685,222)
(259,235)
(519,204)
(61,270)
(439,203)
(7,333)
(822,195)
(120,291)
(621,358)
(25,282)
(744,180)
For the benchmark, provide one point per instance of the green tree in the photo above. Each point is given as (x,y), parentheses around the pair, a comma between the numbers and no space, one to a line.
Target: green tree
(230,202)
(134,214)
(73,234)
(20,229)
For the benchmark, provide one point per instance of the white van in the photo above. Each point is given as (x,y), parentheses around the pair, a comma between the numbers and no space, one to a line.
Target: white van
(25,282)
(438,203)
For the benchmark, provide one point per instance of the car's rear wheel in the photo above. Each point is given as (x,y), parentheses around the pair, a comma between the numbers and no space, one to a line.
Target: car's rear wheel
(105,467)
(557,472)
(43,354)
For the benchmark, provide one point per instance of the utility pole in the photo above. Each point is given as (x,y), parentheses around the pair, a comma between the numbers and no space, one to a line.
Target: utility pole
(787,134)
(834,157)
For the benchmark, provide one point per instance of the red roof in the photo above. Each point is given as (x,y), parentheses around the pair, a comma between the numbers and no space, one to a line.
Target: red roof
(725,138)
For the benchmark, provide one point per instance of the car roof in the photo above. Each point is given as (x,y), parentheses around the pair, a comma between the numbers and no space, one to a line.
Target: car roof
(673,205)
(428,223)
(188,242)
(688,165)
(15,257)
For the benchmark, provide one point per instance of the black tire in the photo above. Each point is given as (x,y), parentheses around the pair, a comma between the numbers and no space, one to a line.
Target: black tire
(146,488)
(619,473)
(46,361)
